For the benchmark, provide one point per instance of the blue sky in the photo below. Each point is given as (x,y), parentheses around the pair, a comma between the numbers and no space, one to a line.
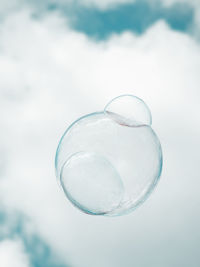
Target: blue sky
(136,17)
(38,251)
(61,61)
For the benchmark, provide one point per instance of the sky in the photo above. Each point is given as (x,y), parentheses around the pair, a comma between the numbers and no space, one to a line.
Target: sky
(61,60)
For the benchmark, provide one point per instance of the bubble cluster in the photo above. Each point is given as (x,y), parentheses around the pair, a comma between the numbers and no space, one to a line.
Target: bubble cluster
(109,162)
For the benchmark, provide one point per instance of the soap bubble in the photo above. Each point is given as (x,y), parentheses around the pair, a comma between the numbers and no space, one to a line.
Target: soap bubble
(130,110)
(109,162)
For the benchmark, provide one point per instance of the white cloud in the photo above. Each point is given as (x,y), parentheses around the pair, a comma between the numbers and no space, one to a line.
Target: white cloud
(7,6)
(171,2)
(50,75)
(110,3)
(12,254)
(104,4)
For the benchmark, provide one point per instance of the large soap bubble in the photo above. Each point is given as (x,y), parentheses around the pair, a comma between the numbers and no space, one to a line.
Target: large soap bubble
(109,162)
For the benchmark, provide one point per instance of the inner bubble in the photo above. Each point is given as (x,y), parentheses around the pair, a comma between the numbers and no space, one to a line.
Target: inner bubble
(128,110)
(91,183)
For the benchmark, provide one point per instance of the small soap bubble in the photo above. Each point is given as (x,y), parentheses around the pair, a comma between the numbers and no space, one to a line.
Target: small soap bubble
(129,110)
(109,162)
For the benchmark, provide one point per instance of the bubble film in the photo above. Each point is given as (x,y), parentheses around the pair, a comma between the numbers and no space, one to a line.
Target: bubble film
(108,162)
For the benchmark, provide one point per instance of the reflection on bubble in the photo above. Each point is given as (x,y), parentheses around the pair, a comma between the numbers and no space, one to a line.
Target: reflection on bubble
(109,162)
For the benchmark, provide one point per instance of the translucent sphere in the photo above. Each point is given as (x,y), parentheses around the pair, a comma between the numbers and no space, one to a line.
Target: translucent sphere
(109,162)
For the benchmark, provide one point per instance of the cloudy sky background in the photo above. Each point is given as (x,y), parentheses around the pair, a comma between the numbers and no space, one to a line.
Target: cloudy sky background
(62,59)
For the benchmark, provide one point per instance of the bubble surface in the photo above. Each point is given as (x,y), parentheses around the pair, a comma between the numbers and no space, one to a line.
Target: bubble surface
(109,162)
